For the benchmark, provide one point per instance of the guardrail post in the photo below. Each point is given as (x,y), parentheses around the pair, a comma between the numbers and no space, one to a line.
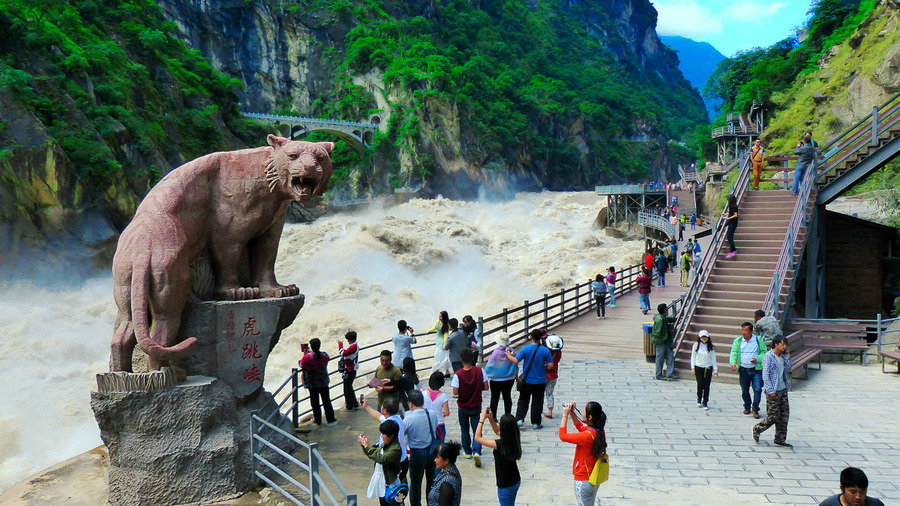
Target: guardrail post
(562,305)
(505,315)
(351,500)
(254,428)
(578,299)
(878,322)
(481,344)
(295,398)
(874,125)
(313,473)
(546,310)
(525,321)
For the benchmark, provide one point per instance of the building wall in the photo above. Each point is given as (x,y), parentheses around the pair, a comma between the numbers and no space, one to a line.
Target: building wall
(853,267)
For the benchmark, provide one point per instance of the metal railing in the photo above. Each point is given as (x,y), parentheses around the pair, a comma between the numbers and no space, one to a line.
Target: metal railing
(312,121)
(316,487)
(709,259)
(864,133)
(654,220)
(786,261)
(734,130)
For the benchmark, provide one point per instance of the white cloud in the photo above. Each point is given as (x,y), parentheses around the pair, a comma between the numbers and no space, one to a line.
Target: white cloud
(686,18)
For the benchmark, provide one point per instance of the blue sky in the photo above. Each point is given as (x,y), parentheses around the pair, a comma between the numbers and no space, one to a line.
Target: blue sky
(731,25)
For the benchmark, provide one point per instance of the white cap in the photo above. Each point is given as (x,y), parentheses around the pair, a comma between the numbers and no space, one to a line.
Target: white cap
(554,342)
(703,333)
(503,339)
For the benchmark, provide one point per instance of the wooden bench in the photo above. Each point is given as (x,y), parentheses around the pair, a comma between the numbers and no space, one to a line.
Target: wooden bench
(837,344)
(801,355)
(890,354)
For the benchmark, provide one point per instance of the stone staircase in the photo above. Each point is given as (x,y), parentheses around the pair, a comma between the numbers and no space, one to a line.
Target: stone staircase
(738,286)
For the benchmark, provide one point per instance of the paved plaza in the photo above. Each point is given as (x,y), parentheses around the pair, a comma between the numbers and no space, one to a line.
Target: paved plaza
(665,450)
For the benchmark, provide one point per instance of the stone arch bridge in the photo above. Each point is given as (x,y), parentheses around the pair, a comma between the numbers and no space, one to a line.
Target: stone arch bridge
(357,135)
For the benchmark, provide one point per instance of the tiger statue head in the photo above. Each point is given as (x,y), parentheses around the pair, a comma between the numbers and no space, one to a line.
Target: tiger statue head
(300,169)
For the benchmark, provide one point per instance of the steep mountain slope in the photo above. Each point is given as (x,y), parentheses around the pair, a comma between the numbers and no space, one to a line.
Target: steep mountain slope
(697,61)
(102,97)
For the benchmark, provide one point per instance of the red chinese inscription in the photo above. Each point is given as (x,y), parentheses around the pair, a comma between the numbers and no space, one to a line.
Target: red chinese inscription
(249,327)
(251,350)
(253,375)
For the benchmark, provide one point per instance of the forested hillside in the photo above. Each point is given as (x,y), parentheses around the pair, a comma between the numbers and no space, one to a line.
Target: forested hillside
(101,97)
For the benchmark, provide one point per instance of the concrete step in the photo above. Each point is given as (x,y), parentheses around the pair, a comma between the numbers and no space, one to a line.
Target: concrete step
(731,304)
(758,259)
(715,293)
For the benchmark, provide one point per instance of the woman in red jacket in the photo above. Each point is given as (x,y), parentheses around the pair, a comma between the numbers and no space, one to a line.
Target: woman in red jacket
(590,443)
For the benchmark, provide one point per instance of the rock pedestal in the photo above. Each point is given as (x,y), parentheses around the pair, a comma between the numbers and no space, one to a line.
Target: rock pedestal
(191,442)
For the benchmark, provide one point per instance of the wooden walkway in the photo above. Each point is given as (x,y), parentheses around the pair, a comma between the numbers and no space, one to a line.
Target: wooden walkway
(620,334)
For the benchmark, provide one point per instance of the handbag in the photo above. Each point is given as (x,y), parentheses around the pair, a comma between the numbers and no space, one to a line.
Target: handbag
(600,473)
(601,470)
(376,483)
(520,380)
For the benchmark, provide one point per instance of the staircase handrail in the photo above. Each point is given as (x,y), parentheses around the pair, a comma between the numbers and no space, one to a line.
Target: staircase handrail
(859,135)
(709,259)
(858,124)
(799,219)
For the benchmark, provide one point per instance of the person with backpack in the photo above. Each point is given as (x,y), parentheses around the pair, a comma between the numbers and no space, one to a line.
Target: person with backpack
(536,360)
(314,376)
(686,268)
(663,336)
(598,285)
(662,266)
(590,446)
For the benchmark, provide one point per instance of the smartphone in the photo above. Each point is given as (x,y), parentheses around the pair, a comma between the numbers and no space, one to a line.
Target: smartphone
(304,348)
(362,397)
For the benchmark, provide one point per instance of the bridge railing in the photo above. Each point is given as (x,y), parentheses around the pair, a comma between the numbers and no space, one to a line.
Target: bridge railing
(863,133)
(709,259)
(654,220)
(734,130)
(305,119)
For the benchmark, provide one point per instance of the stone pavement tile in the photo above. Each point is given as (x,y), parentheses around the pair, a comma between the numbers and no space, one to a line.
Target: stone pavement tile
(789,499)
(664,450)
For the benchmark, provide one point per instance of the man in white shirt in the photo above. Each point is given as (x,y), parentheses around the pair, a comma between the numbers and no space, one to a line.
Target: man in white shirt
(746,357)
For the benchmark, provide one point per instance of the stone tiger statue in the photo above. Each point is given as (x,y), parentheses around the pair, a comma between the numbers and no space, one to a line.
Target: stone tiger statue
(229,207)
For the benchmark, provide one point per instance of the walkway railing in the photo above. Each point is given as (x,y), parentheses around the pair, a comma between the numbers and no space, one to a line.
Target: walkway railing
(709,259)
(786,259)
(654,220)
(551,310)
(879,326)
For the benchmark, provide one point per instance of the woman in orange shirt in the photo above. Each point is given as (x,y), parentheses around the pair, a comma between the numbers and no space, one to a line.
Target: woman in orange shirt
(590,443)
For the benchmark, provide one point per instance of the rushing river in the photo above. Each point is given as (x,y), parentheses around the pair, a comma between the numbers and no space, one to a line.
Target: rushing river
(360,271)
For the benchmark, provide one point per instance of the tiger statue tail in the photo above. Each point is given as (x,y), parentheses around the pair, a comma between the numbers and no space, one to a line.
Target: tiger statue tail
(139,307)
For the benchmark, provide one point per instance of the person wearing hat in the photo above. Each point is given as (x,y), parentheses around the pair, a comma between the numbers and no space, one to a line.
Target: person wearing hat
(703,366)
(501,372)
(555,343)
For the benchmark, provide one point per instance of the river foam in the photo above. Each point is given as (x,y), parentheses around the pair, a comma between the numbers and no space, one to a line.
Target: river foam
(359,271)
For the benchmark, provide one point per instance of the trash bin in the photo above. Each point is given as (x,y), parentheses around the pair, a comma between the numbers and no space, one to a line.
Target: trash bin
(649,347)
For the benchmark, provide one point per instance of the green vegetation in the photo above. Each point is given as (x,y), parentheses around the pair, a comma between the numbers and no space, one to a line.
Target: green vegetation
(518,74)
(103,74)
(759,74)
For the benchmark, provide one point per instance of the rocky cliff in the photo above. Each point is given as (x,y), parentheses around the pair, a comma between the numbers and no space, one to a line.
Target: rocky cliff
(102,97)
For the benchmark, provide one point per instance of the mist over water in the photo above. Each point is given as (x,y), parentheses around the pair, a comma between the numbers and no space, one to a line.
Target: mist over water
(359,271)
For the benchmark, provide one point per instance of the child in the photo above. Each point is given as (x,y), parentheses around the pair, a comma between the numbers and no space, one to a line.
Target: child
(704,366)
(555,343)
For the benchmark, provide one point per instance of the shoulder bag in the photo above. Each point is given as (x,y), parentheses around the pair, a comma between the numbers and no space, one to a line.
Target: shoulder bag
(520,380)
(600,473)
